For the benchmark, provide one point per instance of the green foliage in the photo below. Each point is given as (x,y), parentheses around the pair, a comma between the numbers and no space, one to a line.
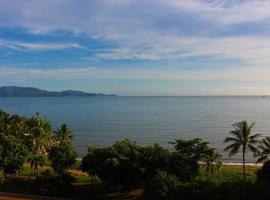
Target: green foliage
(162,186)
(2,177)
(62,157)
(4,122)
(264,150)
(36,161)
(242,140)
(128,165)
(98,162)
(51,183)
(153,158)
(118,165)
(64,134)
(12,154)
(39,140)
(184,167)
(195,148)
(263,174)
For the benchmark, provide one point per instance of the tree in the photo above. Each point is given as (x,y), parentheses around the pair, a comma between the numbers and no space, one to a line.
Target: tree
(4,122)
(12,154)
(153,158)
(17,126)
(162,186)
(118,165)
(195,148)
(242,139)
(62,157)
(99,162)
(264,173)
(195,151)
(264,150)
(40,137)
(212,162)
(186,168)
(64,134)
(63,154)
(35,162)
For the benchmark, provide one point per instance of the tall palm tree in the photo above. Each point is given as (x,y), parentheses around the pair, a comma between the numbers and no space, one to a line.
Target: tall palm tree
(242,139)
(41,139)
(64,134)
(264,150)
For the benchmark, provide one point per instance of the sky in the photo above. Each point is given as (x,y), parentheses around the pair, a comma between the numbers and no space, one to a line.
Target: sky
(137,47)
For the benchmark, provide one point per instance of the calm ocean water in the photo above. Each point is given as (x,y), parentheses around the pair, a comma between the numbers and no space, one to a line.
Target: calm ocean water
(101,121)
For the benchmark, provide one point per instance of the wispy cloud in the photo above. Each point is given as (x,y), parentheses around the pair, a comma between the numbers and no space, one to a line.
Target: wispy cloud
(37,46)
(145,30)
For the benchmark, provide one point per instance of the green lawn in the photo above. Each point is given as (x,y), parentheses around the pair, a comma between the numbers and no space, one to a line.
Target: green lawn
(232,172)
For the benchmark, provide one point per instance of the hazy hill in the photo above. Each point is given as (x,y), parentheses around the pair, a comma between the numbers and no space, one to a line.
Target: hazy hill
(14,91)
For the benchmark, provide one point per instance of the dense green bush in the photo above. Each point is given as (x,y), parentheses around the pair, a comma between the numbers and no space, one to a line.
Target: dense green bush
(62,157)
(153,158)
(50,183)
(186,168)
(12,154)
(118,165)
(162,186)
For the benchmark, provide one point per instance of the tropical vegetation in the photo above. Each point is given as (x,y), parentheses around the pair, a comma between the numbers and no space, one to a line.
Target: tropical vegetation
(190,169)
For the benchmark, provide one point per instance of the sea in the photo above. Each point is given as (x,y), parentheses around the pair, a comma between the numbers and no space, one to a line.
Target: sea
(102,120)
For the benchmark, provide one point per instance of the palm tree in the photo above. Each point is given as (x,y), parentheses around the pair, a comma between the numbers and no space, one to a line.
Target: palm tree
(242,139)
(41,139)
(212,163)
(64,134)
(36,161)
(264,150)
(17,125)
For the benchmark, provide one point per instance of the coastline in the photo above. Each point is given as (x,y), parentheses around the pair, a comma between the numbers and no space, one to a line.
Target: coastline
(240,164)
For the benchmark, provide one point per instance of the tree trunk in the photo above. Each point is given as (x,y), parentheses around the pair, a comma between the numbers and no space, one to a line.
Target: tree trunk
(244,165)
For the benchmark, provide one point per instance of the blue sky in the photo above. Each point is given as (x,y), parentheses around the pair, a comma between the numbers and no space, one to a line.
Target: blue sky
(137,47)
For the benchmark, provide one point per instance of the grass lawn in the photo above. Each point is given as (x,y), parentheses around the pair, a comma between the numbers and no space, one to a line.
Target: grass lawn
(232,172)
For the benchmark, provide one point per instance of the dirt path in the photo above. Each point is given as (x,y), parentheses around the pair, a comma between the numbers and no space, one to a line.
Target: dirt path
(11,196)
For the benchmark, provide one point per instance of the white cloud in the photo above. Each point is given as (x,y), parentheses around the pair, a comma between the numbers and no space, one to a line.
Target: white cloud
(38,46)
(148,30)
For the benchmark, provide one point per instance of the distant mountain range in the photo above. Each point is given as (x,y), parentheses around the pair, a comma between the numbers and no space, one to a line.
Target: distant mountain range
(14,91)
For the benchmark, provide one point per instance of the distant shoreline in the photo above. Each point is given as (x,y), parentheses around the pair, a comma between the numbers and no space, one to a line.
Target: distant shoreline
(240,164)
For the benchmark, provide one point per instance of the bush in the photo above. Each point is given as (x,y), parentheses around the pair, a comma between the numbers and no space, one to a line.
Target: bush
(50,183)
(163,186)
(186,168)
(62,157)
(99,162)
(12,154)
(118,165)
(264,173)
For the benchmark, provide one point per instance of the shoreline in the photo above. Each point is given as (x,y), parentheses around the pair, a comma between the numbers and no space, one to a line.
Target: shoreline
(240,164)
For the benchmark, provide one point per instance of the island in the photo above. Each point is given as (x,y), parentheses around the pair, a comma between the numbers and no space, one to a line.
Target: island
(15,91)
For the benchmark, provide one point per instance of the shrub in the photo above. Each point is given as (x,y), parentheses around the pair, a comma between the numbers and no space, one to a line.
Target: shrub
(62,157)
(163,186)
(186,168)
(50,183)
(264,173)
(12,154)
